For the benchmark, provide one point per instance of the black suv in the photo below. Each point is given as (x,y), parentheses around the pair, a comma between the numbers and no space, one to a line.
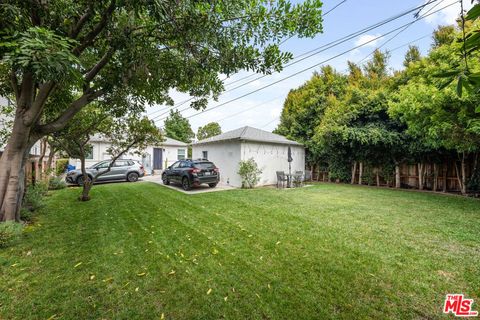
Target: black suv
(192,173)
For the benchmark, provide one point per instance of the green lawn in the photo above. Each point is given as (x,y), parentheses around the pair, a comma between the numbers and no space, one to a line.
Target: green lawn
(137,251)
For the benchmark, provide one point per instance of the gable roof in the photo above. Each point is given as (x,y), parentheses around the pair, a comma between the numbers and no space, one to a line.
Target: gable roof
(249,134)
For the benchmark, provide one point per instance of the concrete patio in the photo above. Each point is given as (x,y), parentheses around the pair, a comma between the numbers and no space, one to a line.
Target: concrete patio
(200,189)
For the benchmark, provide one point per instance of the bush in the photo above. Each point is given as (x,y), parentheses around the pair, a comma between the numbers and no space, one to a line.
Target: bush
(26,214)
(61,166)
(249,172)
(9,231)
(56,183)
(33,199)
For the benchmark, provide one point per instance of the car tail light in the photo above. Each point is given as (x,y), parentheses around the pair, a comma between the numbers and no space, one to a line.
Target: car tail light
(141,168)
(195,170)
(216,170)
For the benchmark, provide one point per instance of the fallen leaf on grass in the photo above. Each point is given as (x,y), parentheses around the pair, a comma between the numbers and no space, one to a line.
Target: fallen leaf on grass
(92,277)
(225,298)
(77,265)
(278,242)
(108,280)
(209,291)
(141,274)
(14,265)
(172,272)
(52,317)
(136,289)
(162,316)
(214,251)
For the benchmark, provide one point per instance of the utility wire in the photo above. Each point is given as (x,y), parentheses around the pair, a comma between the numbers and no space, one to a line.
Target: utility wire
(402,30)
(308,68)
(323,48)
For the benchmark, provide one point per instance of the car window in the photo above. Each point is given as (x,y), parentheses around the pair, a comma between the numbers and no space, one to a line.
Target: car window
(176,165)
(131,163)
(121,163)
(102,165)
(185,164)
(204,165)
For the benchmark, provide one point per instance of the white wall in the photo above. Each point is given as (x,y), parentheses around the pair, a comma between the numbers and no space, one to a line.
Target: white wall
(269,157)
(273,157)
(226,156)
(100,153)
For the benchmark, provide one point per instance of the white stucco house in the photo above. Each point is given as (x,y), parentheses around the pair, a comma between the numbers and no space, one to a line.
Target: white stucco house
(153,158)
(269,150)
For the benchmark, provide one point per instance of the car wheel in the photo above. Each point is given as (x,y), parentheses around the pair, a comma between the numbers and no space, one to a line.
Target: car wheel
(132,177)
(80,180)
(212,185)
(185,184)
(165,179)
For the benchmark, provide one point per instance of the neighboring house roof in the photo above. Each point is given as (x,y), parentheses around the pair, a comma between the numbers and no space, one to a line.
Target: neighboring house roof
(167,142)
(249,134)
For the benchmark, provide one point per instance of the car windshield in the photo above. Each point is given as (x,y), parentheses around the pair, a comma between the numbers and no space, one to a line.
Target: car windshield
(204,165)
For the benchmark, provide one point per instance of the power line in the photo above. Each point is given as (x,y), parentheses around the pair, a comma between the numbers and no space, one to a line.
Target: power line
(235,99)
(308,68)
(238,80)
(323,48)
(402,30)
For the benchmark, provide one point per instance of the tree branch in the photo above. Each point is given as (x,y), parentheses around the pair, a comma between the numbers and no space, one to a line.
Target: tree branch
(90,37)
(68,114)
(14,82)
(34,112)
(81,22)
(100,64)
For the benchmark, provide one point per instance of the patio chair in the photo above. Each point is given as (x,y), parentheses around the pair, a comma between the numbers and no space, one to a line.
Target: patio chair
(281,179)
(298,178)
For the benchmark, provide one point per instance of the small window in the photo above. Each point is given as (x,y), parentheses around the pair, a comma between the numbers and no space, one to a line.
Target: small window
(204,154)
(181,154)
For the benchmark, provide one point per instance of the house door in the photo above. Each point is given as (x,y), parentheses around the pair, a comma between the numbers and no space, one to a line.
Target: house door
(157,159)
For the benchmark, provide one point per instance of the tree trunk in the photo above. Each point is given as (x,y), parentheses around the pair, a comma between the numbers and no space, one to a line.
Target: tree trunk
(360,172)
(12,171)
(51,154)
(397,176)
(354,171)
(461,175)
(377,177)
(43,151)
(87,183)
(445,172)
(464,175)
(421,168)
(435,177)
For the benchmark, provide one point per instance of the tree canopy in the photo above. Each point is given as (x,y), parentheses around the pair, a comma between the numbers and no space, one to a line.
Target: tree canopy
(209,130)
(56,57)
(177,127)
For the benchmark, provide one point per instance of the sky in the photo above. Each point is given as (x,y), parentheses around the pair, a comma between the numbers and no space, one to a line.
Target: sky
(262,109)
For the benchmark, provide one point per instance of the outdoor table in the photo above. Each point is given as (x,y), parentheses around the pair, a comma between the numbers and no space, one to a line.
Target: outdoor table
(289,179)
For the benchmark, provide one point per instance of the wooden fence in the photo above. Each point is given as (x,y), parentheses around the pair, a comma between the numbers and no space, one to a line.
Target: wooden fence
(436,176)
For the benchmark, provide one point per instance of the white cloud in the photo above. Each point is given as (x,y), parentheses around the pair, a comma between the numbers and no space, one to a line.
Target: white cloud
(368,40)
(446,16)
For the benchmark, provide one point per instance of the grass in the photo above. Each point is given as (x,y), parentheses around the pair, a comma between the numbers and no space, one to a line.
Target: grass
(140,251)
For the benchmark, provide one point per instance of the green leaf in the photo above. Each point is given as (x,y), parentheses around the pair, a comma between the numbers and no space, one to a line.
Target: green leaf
(473,13)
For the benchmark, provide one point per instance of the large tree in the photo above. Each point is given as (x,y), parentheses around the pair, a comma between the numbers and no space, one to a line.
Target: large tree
(209,130)
(178,127)
(58,56)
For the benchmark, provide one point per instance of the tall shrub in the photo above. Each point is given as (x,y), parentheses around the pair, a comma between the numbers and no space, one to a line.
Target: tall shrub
(250,173)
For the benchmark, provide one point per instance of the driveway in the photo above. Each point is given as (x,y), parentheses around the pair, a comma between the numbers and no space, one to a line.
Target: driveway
(201,189)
